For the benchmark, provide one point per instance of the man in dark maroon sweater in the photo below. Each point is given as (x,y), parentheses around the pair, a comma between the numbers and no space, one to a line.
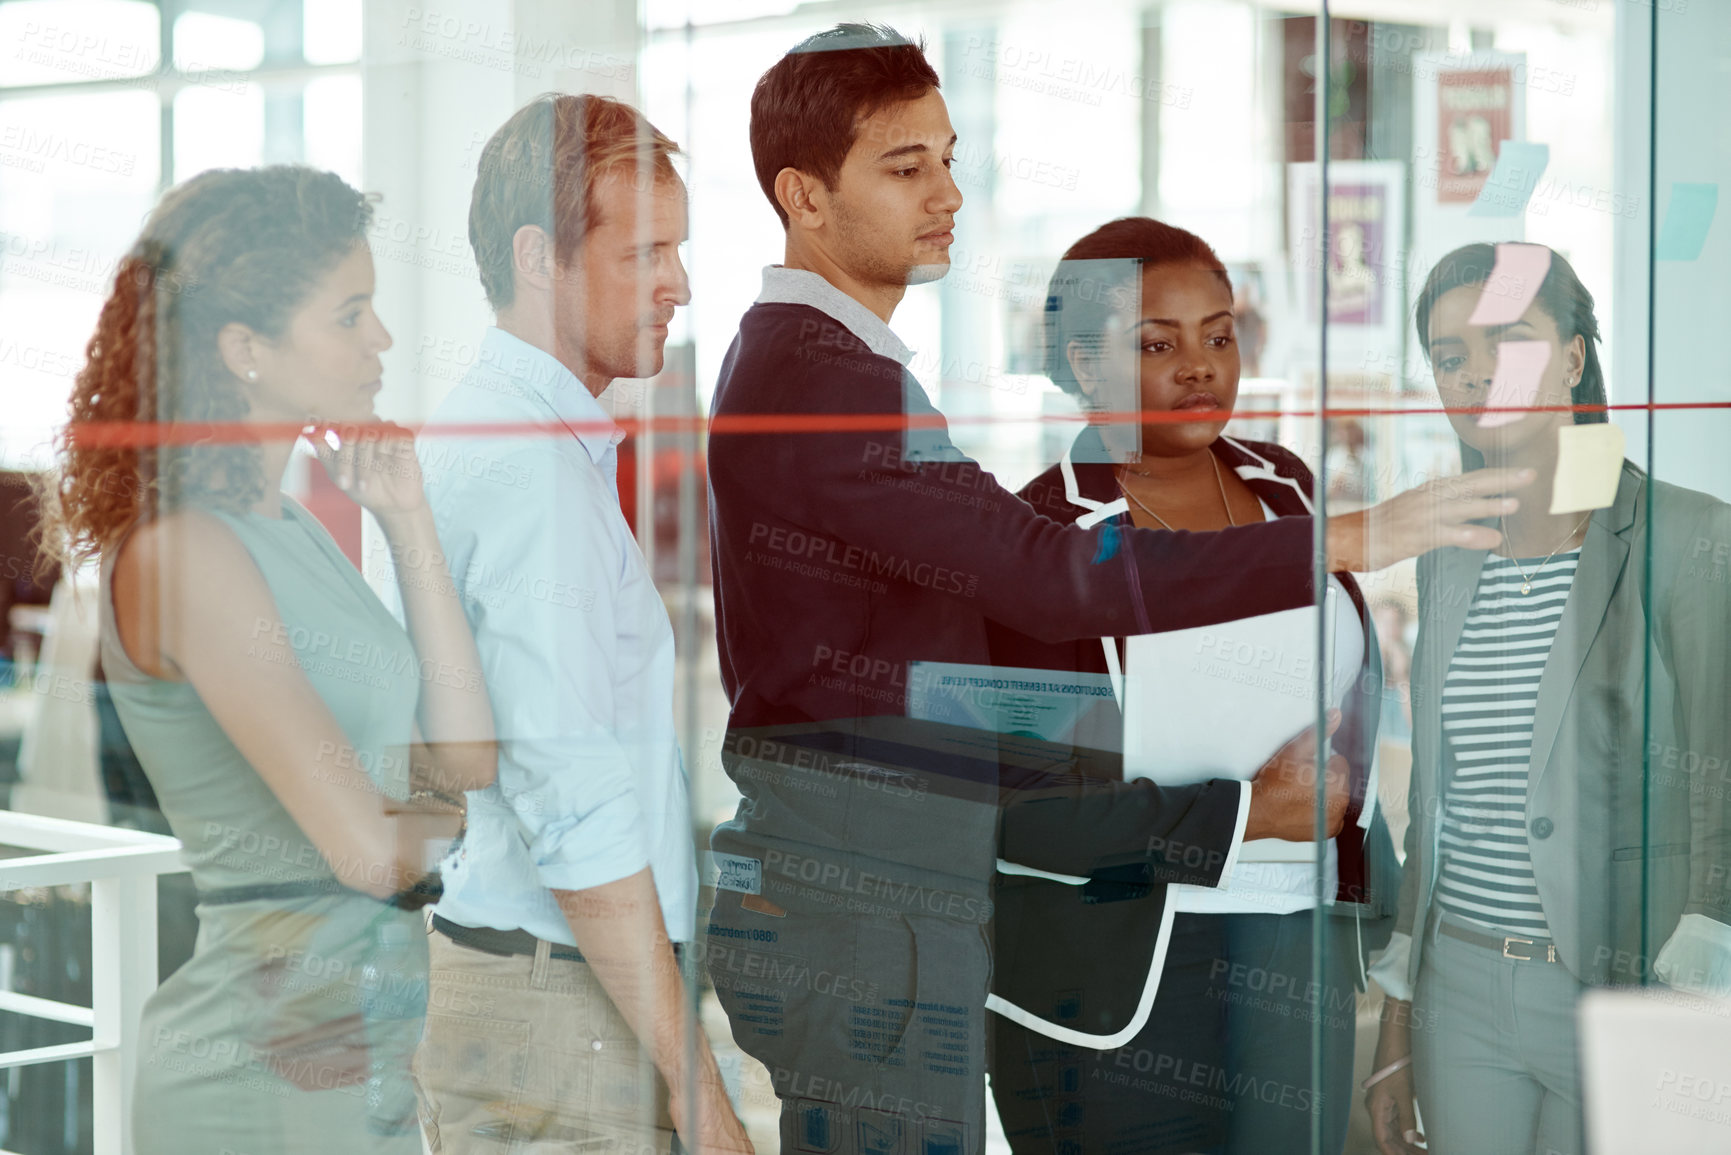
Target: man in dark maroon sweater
(849,942)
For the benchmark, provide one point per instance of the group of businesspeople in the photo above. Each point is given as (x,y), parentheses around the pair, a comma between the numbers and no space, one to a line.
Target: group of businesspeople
(447,888)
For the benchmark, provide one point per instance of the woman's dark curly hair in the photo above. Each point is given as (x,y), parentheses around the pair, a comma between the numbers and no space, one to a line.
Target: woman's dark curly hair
(231,245)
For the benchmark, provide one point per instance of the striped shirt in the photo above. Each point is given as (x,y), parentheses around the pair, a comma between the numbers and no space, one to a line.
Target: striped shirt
(1486,871)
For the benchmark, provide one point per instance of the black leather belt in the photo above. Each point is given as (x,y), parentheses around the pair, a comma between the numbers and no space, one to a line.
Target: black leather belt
(429,889)
(513,942)
(1510,946)
(500,942)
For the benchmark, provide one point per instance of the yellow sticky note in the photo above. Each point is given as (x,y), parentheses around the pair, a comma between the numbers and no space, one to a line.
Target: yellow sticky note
(1589,464)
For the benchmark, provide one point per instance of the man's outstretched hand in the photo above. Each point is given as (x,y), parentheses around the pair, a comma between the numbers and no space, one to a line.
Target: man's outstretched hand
(1426,517)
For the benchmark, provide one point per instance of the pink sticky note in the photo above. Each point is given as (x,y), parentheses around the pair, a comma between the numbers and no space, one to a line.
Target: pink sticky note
(1514,281)
(1515,384)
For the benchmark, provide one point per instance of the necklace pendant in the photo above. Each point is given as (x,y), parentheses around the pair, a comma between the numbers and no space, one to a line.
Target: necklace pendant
(1526,587)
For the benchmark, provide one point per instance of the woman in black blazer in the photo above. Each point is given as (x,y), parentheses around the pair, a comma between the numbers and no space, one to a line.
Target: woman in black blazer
(1134,1016)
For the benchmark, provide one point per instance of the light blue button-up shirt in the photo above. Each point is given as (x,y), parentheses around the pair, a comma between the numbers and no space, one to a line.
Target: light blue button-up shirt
(575,645)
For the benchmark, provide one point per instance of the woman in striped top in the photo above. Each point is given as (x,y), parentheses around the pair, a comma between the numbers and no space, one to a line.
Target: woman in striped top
(1488,702)
(1545,851)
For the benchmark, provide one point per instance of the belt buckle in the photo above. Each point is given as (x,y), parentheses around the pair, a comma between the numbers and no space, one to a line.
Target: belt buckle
(1511,940)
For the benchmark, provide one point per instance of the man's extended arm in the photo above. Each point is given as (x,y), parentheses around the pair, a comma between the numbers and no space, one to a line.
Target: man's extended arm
(855,486)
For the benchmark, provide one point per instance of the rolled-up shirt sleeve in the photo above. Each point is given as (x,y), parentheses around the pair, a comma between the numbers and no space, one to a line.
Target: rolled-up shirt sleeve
(1697,957)
(541,586)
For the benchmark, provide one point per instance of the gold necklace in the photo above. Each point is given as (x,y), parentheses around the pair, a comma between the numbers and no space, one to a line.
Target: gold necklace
(1221,485)
(1526,580)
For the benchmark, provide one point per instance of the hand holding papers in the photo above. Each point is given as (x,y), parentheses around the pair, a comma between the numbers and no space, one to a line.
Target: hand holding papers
(1220,701)
(1282,817)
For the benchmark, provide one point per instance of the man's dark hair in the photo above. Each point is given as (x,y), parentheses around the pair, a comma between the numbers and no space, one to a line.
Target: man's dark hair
(806,109)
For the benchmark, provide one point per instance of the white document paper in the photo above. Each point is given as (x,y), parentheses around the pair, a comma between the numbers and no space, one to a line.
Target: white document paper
(1043,704)
(1220,701)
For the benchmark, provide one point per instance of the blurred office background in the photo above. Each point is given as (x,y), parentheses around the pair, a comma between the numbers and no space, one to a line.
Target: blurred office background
(1210,114)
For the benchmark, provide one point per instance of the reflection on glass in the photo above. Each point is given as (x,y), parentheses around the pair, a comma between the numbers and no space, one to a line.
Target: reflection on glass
(203,42)
(67,41)
(331,31)
(77,173)
(218,125)
(1523,131)
(331,116)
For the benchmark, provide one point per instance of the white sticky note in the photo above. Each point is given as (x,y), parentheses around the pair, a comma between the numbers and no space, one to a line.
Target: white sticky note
(1515,384)
(1589,465)
(1514,282)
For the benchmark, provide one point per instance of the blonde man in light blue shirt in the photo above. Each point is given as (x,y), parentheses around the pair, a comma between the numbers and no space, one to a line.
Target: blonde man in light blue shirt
(554,962)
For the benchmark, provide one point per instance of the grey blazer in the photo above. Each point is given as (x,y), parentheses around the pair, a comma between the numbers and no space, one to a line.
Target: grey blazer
(1617,862)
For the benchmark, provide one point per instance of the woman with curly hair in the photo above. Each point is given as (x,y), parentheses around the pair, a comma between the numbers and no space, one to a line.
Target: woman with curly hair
(308,751)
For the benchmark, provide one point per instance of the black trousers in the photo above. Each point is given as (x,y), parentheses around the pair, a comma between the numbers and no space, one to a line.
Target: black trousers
(1223,1065)
(872,1025)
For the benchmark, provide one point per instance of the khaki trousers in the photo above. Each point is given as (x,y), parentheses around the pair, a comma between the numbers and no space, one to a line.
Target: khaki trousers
(528,1054)
(1496,1063)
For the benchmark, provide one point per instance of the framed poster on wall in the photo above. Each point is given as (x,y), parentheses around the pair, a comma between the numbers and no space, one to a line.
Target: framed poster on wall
(1475,111)
(1464,107)
(1359,268)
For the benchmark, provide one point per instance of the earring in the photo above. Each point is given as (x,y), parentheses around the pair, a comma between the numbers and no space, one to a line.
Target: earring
(252,374)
